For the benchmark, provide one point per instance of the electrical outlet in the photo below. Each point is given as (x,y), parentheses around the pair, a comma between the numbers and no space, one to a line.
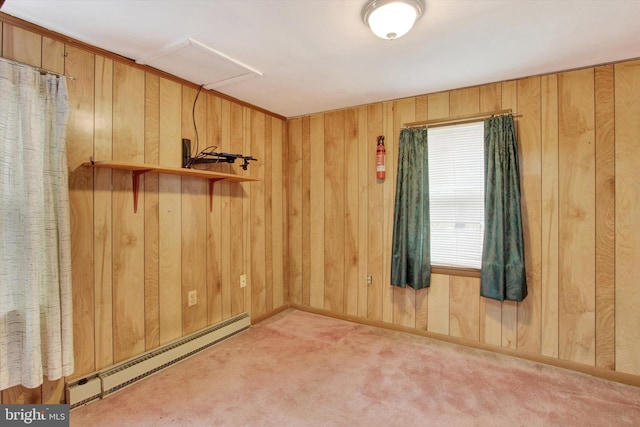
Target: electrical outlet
(193,298)
(369,279)
(243,280)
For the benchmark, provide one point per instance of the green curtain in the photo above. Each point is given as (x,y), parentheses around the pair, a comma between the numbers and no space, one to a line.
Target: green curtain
(503,267)
(411,250)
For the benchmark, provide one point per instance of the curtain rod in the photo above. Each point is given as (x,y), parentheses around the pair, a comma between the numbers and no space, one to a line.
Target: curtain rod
(38,69)
(469,118)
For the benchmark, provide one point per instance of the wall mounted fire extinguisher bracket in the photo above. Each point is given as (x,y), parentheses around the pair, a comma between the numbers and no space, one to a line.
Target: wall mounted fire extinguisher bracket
(380,158)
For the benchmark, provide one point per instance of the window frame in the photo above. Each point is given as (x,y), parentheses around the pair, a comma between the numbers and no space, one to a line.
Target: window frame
(455,270)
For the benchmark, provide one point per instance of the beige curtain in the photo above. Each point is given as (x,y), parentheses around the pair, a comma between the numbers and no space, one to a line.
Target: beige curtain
(36,336)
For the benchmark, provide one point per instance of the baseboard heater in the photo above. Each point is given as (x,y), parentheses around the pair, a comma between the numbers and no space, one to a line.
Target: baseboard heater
(100,384)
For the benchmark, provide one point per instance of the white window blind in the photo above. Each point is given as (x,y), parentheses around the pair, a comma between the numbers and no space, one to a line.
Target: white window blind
(456,194)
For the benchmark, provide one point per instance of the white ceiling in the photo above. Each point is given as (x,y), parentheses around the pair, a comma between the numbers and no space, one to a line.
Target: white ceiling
(318,55)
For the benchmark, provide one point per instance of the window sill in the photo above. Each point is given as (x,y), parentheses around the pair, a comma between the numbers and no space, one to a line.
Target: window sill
(456,271)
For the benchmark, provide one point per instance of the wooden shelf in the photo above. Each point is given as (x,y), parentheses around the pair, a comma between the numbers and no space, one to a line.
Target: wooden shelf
(138,169)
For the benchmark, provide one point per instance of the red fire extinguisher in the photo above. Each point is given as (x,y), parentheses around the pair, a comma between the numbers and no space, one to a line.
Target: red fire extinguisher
(380,157)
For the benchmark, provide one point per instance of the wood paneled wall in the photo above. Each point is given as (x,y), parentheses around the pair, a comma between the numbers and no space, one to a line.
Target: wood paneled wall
(132,271)
(578,148)
(319,221)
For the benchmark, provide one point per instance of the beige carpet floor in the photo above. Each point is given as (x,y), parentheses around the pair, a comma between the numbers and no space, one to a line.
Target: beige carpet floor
(301,369)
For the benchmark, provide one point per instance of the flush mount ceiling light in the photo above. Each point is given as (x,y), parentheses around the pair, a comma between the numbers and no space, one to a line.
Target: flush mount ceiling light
(390,19)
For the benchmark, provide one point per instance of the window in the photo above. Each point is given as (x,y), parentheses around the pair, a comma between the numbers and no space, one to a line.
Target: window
(456,194)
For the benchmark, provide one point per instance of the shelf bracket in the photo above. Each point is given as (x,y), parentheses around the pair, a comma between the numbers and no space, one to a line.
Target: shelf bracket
(138,169)
(211,182)
(135,175)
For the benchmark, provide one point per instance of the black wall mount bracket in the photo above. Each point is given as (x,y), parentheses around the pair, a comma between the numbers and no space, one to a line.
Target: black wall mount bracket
(211,157)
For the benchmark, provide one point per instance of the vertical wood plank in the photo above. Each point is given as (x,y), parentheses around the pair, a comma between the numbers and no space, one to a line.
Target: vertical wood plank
(170,213)
(128,227)
(52,55)
(363,213)
(102,221)
(422,107)
(490,97)
(577,216)
(464,311)
(21,45)
(404,306)
(224,206)
(438,106)
(294,200)
(351,214)
(20,395)
(334,204)
(151,229)
(214,218)
(438,313)
(79,148)
(510,308)
(464,101)
(530,153)
(605,218)
(286,286)
(268,211)
(257,238)
(388,197)
(194,223)
(285,208)
(246,211)
(316,210)
(307,177)
(53,391)
(278,230)
(374,225)
(236,215)
(550,211)
(422,309)
(627,206)
(490,321)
